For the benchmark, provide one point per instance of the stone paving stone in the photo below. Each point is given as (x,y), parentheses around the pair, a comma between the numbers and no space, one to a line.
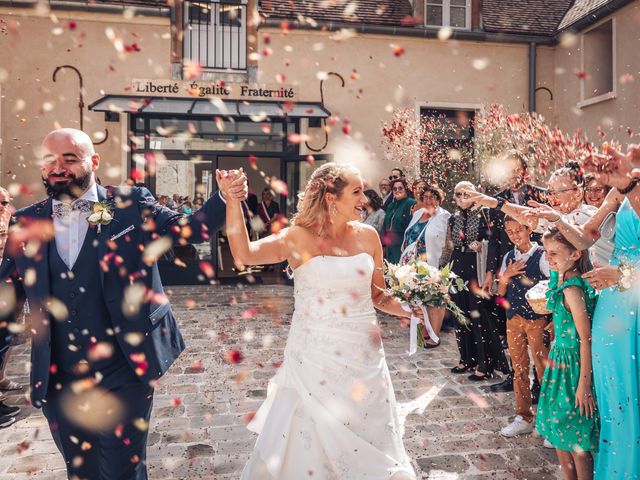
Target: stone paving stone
(443,463)
(488,462)
(198,429)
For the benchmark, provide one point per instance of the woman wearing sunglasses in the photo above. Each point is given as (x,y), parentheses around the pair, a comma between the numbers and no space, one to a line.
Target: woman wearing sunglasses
(396,220)
(469,227)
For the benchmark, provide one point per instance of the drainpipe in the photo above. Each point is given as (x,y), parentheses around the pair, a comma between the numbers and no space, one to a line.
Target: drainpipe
(532,76)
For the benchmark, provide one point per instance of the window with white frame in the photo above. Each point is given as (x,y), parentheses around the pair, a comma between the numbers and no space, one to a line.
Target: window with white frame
(448,13)
(598,63)
(215,33)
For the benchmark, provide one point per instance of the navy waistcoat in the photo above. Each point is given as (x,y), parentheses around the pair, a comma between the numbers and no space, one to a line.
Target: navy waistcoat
(519,285)
(84,342)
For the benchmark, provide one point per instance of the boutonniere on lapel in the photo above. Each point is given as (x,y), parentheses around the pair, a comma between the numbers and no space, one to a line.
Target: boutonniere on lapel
(101,214)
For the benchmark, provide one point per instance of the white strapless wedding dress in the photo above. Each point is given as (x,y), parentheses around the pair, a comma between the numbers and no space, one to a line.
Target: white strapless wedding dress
(330,412)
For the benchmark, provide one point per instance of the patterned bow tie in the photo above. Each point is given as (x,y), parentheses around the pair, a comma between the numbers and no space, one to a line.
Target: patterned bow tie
(61,210)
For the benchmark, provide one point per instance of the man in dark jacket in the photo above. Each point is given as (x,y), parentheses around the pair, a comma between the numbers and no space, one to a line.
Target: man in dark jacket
(520,193)
(103,331)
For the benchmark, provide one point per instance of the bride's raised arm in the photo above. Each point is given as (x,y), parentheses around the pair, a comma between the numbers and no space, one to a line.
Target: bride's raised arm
(271,249)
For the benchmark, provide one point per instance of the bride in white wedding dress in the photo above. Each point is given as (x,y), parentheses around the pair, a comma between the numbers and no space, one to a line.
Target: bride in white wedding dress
(330,411)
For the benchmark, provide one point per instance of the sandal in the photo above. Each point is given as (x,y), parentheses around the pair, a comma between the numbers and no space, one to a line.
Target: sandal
(431,345)
(9,385)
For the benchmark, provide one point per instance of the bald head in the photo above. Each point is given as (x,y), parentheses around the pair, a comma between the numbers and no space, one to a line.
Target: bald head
(77,139)
(69,161)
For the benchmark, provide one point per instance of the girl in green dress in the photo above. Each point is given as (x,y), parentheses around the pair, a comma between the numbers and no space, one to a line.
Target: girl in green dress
(567,415)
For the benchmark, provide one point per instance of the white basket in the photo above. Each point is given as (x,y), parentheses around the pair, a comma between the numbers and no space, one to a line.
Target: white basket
(537,298)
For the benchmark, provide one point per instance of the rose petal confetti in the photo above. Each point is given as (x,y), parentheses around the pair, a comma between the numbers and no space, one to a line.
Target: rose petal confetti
(234,356)
(398,50)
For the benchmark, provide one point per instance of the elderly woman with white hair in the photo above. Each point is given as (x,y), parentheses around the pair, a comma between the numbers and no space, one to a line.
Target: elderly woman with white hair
(469,237)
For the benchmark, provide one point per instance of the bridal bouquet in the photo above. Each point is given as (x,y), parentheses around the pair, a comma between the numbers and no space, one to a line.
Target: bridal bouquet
(419,284)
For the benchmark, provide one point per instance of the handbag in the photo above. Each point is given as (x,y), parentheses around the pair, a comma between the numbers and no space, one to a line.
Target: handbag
(481,261)
(411,251)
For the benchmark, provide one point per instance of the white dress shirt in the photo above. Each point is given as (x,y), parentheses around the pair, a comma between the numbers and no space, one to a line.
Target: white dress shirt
(71,230)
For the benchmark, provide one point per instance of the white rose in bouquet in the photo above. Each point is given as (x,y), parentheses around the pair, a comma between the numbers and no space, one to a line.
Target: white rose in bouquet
(94,217)
(405,274)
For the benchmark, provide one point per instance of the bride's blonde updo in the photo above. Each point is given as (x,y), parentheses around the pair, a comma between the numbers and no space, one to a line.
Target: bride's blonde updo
(313,209)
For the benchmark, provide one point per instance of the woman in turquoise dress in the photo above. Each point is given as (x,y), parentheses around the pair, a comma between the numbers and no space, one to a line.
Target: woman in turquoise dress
(616,320)
(396,220)
(616,360)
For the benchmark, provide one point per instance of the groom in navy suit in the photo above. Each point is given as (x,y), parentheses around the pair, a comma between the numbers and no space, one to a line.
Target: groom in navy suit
(103,331)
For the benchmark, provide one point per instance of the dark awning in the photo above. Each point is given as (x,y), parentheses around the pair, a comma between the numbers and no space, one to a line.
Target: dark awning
(257,111)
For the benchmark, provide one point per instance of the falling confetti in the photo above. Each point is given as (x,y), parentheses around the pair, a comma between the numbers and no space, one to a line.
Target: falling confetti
(398,50)
(234,356)
(196,367)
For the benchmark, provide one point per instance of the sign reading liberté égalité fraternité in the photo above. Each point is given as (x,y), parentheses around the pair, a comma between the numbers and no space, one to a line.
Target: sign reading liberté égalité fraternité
(230,91)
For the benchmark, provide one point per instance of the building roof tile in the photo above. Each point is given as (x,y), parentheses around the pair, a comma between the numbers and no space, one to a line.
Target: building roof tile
(374,12)
(532,17)
(579,10)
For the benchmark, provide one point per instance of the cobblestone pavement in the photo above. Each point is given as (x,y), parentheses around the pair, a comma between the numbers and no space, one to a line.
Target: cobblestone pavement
(451,425)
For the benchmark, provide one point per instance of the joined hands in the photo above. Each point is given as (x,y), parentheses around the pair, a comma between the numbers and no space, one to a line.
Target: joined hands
(232,184)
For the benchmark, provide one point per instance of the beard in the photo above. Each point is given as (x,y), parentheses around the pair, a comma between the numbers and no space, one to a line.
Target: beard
(72,189)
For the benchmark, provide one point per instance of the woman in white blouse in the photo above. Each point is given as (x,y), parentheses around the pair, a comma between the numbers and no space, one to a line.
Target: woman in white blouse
(425,238)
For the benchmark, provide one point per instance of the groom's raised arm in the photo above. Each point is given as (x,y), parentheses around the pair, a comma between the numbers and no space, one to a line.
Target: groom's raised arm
(198,227)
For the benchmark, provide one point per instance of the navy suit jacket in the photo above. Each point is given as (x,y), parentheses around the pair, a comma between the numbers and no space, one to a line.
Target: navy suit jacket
(138,220)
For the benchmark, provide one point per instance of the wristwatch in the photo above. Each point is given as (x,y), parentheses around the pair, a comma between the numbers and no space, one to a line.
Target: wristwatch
(500,204)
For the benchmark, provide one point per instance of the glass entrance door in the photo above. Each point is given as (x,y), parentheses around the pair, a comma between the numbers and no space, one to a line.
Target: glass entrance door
(183,184)
(260,171)
(297,173)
